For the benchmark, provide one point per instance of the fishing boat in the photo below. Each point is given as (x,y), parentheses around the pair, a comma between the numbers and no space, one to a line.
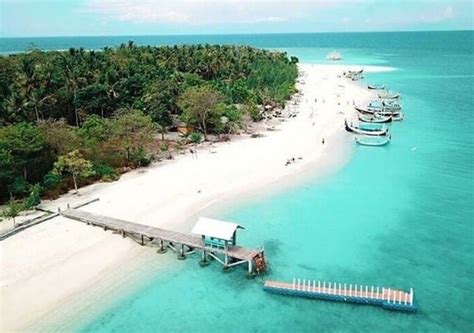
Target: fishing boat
(377,109)
(351,74)
(334,56)
(373,141)
(376,87)
(366,128)
(391,105)
(384,105)
(374,118)
(389,95)
(398,117)
(359,71)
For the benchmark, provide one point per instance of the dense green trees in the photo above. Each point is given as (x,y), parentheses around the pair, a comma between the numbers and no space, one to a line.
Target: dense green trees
(42,158)
(200,107)
(108,105)
(74,84)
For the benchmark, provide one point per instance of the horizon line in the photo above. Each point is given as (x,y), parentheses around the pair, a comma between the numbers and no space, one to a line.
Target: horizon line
(240,34)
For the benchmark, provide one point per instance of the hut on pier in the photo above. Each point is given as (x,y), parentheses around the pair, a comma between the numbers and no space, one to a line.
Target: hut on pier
(216,233)
(219,241)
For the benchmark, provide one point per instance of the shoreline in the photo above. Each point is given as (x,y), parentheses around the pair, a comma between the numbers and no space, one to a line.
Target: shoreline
(177,191)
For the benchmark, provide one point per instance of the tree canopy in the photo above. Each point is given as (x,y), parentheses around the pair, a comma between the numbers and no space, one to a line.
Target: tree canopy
(106,106)
(77,83)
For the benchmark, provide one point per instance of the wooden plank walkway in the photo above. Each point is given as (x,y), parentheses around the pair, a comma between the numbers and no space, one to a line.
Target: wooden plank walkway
(48,215)
(387,298)
(154,233)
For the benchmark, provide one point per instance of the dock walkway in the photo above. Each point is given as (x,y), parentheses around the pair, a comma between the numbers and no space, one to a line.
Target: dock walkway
(177,241)
(387,298)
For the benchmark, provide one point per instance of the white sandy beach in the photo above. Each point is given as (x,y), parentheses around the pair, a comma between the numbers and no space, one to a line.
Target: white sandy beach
(52,265)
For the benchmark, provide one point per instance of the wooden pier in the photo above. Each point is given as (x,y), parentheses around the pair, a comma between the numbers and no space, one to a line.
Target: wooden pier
(390,299)
(184,244)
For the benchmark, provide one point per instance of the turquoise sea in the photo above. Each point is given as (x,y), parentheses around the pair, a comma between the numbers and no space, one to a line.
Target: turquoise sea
(400,216)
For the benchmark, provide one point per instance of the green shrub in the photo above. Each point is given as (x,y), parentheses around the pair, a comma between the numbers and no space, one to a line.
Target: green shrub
(253,111)
(34,198)
(51,180)
(12,210)
(139,158)
(19,187)
(106,173)
(195,137)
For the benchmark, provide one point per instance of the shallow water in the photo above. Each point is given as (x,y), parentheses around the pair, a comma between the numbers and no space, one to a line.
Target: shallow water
(399,216)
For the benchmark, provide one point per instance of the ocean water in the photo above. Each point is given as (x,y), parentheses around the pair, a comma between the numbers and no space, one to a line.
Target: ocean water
(400,216)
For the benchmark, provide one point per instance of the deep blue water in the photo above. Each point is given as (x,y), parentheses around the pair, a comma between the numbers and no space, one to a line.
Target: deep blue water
(399,216)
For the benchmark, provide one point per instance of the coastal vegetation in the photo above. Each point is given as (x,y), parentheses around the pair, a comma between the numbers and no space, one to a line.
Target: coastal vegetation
(69,118)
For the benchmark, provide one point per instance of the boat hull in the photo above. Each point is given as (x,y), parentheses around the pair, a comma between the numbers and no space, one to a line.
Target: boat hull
(358,130)
(372,143)
(374,87)
(380,112)
(375,119)
(389,96)
(398,117)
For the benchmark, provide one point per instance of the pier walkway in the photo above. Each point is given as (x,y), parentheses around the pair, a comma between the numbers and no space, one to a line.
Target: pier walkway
(182,243)
(387,298)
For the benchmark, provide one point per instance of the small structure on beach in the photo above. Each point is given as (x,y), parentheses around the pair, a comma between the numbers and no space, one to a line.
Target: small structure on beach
(222,236)
(184,129)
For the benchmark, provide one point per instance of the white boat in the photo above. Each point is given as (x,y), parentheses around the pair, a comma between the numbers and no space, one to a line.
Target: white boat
(378,110)
(354,75)
(366,128)
(389,95)
(376,86)
(398,117)
(334,56)
(373,141)
(374,118)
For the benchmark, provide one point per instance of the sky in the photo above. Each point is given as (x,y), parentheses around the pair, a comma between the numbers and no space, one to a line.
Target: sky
(32,18)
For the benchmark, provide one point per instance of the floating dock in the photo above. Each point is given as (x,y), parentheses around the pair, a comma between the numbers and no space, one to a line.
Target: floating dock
(229,255)
(387,298)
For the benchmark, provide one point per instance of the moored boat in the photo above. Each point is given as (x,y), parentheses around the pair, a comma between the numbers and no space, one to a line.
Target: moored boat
(374,141)
(351,74)
(366,128)
(376,87)
(334,56)
(376,110)
(374,118)
(389,95)
(398,117)
(385,105)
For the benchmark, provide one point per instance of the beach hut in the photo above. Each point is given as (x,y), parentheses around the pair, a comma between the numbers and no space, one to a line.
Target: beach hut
(183,128)
(218,237)
(216,233)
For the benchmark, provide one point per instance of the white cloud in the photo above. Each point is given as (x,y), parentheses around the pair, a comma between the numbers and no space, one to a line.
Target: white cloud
(438,15)
(208,11)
